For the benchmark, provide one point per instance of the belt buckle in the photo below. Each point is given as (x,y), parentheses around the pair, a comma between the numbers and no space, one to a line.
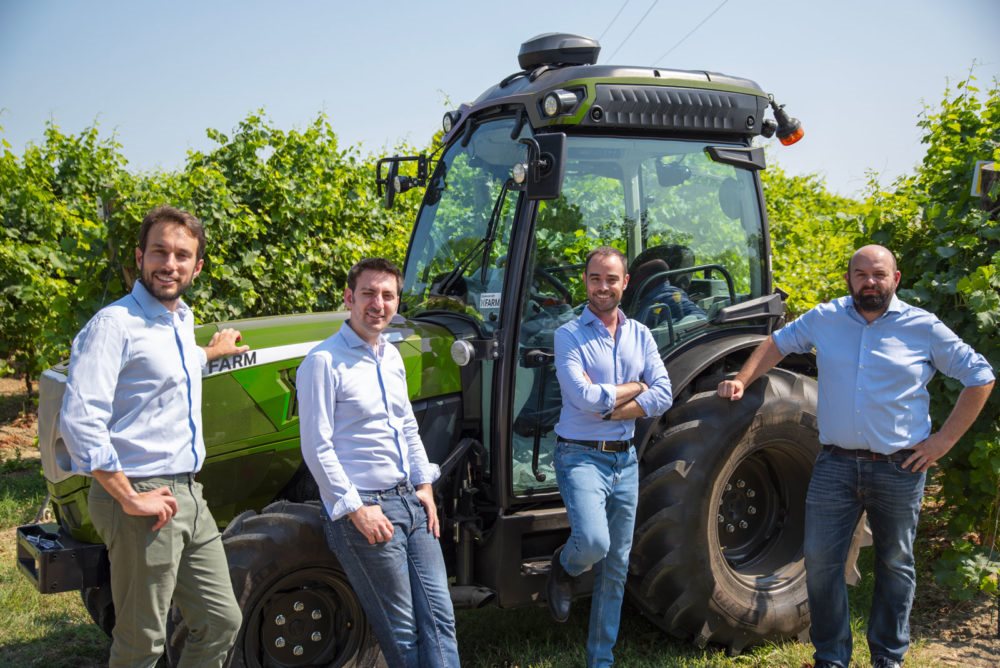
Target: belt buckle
(604,447)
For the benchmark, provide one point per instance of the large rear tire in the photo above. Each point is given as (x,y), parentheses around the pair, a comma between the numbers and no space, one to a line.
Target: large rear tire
(298,606)
(717,554)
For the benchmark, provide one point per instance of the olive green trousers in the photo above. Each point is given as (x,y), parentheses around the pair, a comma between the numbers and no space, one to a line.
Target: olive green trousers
(182,562)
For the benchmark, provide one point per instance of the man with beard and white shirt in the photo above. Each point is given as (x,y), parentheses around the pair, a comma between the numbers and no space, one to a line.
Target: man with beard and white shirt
(610,373)
(131,419)
(876,355)
(361,443)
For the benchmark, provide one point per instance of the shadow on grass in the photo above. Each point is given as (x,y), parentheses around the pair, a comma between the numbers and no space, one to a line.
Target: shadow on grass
(66,644)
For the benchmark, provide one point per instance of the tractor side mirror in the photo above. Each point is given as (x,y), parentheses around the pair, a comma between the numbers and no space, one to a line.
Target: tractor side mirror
(393,182)
(542,174)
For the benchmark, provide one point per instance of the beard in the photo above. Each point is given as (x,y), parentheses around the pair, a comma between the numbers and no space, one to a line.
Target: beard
(874,301)
(176,291)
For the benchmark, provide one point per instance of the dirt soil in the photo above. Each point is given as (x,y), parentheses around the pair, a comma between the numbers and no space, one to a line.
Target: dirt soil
(945,632)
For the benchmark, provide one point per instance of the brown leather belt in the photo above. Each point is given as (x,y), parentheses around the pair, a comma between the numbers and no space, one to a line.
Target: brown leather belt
(603,446)
(899,456)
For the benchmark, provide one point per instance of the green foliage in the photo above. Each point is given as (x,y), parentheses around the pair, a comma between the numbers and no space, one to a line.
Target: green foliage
(286,213)
(951,249)
(812,237)
(55,258)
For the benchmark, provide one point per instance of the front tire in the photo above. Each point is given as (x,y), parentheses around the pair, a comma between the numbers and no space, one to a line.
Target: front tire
(298,606)
(717,553)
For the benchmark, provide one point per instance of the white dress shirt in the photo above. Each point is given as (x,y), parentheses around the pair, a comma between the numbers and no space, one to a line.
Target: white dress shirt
(133,398)
(355,421)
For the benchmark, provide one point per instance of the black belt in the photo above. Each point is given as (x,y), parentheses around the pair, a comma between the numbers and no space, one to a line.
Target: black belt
(603,446)
(868,455)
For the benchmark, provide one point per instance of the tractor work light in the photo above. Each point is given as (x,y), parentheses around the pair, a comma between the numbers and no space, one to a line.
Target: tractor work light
(449,120)
(558,102)
(519,172)
(789,129)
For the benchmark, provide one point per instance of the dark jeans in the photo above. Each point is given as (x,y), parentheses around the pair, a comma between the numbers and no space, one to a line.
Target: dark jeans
(840,490)
(402,584)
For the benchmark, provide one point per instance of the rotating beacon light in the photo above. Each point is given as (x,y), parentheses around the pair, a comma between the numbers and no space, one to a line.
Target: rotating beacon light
(789,129)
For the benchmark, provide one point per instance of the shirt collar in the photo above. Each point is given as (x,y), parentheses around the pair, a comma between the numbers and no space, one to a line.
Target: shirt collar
(589,317)
(355,341)
(152,307)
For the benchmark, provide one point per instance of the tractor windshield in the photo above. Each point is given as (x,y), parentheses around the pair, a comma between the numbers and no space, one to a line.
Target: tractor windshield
(690,227)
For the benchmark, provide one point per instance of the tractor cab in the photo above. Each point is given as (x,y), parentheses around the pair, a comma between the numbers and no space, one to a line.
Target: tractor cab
(560,158)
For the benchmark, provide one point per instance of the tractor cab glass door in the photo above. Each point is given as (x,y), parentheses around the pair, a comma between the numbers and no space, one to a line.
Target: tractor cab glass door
(458,255)
(691,230)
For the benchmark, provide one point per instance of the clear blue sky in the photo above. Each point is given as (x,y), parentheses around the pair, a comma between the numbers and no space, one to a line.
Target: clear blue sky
(157,74)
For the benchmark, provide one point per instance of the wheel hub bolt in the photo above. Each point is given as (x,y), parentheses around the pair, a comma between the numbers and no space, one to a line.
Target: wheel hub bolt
(279,620)
(316,636)
(317,614)
(729,487)
(730,528)
(279,642)
(721,519)
(743,524)
(297,650)
(298,606)
(751,510)
(751,493)
(740,484)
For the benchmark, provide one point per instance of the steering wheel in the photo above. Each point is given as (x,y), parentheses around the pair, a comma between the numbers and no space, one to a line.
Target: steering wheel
(557,284)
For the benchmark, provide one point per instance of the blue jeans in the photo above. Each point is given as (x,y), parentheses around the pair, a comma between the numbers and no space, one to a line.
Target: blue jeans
(840,489)
(600,490)
(402,584)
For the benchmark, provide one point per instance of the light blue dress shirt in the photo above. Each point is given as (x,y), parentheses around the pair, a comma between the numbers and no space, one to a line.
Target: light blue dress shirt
(133,398)
(584,346)
(873,376)
(355,421)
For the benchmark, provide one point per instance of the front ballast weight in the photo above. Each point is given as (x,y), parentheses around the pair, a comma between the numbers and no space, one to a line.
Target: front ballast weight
(393,182)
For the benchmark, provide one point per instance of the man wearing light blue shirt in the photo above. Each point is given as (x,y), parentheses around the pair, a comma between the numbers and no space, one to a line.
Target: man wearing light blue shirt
(361,443)
(610,373)
(875,356)
(131,419)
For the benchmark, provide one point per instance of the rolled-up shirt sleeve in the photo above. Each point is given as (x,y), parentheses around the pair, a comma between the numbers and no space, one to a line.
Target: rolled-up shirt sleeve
(99,352)
(659,397)
(316,387)
(576,389)
(956,359)
(796,336)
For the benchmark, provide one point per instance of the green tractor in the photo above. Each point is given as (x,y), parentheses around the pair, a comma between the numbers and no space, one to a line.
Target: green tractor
(559,157)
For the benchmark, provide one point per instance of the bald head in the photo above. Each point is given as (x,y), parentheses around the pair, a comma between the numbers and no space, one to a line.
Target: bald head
(873,253)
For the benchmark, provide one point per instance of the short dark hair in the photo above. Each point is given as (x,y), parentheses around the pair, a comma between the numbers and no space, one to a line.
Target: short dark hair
(606,250)
(374,264)
(169,214)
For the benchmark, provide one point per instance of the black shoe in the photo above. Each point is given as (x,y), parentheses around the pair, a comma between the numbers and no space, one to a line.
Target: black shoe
(559,589)
(885,662)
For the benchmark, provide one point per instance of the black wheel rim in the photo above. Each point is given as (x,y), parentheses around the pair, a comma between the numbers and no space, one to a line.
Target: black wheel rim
(760,520)
(306,618)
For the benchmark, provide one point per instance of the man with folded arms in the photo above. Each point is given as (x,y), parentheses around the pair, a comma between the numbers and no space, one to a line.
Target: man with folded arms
(610,373)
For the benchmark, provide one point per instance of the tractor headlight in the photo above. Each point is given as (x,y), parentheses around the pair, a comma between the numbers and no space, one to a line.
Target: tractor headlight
(558,102)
